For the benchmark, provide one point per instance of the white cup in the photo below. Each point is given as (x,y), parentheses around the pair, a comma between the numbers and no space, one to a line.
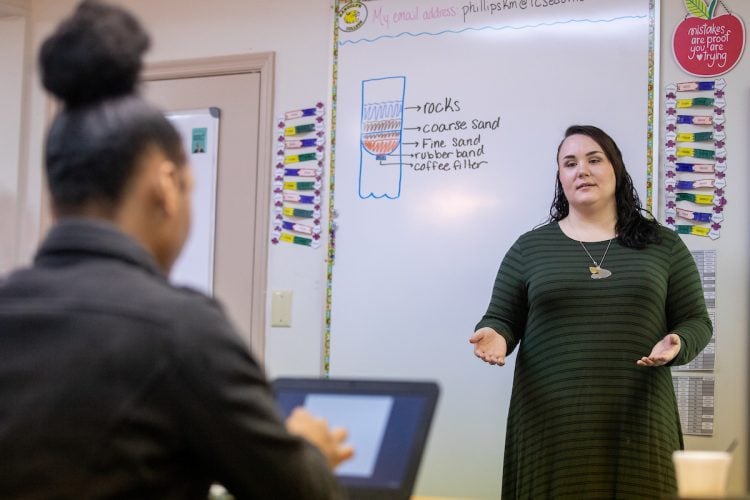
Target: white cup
(701,473)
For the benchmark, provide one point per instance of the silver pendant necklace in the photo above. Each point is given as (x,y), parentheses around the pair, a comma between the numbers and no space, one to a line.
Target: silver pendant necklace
(597,271)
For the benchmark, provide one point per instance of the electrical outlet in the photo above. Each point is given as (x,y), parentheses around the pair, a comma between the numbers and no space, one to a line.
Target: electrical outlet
(281,308)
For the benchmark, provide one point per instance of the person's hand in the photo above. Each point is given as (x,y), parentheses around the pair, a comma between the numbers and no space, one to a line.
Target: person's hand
(489,346)
(663,352)
(329,441)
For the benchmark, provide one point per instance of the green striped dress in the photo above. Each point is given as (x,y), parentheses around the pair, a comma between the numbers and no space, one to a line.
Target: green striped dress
(585,421)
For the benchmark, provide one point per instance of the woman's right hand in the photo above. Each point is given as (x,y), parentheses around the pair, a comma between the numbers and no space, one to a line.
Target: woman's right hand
(330,442)
(489,346)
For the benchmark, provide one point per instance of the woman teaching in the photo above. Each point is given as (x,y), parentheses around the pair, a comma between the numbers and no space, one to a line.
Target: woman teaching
(600,301)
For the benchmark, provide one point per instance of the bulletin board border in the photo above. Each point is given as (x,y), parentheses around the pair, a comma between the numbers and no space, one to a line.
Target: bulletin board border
(331,253)
(651,126)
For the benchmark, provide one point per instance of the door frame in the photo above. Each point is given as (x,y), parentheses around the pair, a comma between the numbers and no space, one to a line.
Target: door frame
(262,63)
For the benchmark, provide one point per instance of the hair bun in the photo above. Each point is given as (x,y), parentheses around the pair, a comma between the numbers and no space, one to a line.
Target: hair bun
(93,55)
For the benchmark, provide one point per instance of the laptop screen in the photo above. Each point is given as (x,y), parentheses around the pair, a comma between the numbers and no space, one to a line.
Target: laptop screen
(387,423)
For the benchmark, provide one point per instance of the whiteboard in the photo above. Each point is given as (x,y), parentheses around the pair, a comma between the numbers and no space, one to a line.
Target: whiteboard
(199,130)
(448,118)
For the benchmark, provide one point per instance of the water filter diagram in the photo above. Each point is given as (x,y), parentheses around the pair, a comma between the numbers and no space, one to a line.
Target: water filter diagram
(380,160)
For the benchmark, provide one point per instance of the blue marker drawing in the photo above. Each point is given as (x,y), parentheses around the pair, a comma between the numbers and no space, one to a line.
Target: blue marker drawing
(380,160)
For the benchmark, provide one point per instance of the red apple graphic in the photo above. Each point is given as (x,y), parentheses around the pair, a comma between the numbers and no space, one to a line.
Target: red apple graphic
(709,47)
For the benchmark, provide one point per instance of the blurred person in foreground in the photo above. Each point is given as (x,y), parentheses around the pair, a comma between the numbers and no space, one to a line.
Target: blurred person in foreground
(114,383)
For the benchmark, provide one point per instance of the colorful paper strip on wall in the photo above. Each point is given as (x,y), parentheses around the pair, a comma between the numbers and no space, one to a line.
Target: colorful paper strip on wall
(298,176)
(695,157)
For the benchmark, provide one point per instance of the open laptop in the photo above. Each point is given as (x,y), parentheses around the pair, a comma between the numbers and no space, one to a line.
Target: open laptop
(388,422)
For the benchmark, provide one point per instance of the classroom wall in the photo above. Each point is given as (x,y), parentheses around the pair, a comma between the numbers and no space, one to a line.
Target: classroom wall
(731,248)
(12,38)
(300,35)
(8,6)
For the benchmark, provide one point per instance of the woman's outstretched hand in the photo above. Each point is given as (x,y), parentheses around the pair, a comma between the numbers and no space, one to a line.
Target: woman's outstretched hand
(663,352)
(489,346)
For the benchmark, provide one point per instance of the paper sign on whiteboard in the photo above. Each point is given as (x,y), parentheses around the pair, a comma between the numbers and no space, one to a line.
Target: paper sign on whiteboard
(199,130)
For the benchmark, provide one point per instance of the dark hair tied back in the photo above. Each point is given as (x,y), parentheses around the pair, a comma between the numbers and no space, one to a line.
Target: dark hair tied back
(94,54)
(95,143)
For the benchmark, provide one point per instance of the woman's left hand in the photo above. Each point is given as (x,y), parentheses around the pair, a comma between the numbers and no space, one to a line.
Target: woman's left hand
(663,352)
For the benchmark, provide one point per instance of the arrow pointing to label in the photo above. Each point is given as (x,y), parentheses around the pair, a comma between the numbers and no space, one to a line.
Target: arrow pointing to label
(414,107)
(415,143)
(413,128)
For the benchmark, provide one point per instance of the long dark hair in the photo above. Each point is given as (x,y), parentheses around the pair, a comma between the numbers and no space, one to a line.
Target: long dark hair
(634,229)
(92,63)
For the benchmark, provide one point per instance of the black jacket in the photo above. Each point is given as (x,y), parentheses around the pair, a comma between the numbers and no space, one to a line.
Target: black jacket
(115,384)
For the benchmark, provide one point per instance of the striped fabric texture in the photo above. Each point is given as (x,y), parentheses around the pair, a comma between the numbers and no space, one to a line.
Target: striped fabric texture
(585,421)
